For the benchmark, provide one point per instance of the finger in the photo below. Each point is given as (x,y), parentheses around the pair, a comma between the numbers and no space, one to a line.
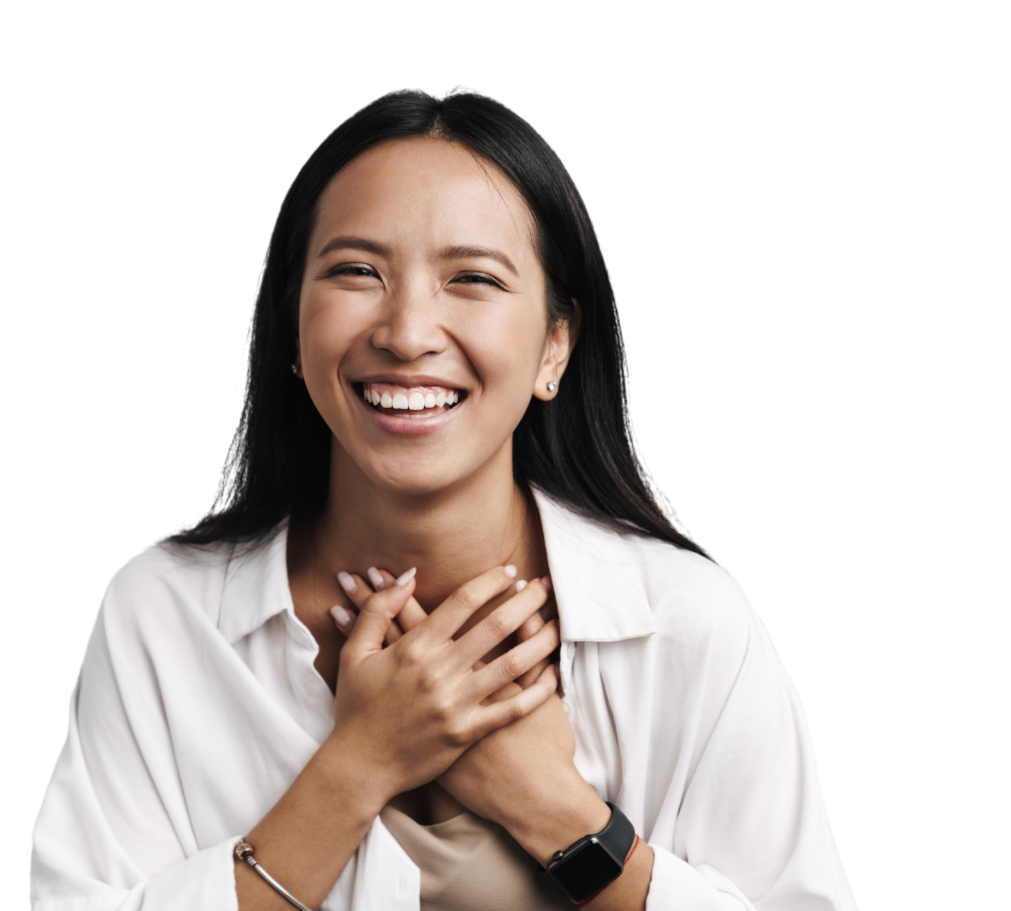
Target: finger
(499,623)
(374,619)
(412,614)
(531,676)
(344,620)
(449,616)
(526,631)
(529,626)
(358,591)
(497,715)
(516,662)
(509,690)
(383,600)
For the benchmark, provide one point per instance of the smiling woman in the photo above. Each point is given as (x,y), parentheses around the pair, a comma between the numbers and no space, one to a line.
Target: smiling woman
(437,647)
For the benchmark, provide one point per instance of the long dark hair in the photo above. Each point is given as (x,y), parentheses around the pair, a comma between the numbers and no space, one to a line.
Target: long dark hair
(577,447)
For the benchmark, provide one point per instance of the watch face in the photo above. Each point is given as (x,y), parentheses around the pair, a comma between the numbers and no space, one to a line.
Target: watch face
(586,870)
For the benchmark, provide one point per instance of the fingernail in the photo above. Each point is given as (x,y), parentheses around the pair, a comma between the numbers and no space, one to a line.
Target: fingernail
(522,584)
(376,578)
(406,577)
(547,582)
(341,616)
(347,583)
(511,571)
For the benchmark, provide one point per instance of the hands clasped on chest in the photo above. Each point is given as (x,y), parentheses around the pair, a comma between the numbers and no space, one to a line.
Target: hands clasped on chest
(428,707)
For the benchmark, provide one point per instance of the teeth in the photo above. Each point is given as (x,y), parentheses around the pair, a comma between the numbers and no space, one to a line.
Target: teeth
(417,401)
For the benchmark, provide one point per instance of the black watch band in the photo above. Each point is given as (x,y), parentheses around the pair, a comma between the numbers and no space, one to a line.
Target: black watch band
(584,868)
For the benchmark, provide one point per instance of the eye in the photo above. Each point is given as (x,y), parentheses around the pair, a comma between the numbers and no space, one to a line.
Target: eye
(354,269)
(476,278)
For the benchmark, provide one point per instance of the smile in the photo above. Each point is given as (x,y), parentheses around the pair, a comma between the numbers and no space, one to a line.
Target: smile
(410,411)
(412,398)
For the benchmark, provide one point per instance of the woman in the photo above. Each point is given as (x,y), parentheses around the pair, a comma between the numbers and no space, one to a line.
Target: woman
(345,670)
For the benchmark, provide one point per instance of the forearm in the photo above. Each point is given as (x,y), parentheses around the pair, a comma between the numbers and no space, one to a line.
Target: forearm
(572,811)
(308,837)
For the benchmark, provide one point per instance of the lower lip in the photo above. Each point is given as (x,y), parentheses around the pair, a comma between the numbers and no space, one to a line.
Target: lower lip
(405,426)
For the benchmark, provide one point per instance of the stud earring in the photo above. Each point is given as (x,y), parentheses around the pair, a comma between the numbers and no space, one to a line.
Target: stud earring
(294,369)
(552,386)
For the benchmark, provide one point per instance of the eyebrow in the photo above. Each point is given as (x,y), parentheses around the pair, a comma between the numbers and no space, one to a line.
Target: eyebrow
(353,243)
(457,252)
(478,252)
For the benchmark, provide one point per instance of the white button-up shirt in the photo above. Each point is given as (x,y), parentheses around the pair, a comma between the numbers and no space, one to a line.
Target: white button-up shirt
(198,704)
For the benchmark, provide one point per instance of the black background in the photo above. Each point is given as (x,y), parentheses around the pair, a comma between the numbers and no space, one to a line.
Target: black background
(717,208)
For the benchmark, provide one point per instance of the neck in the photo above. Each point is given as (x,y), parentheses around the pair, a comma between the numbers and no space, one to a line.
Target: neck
(451,535)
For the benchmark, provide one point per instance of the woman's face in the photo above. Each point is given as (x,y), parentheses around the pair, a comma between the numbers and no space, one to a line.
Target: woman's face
(423,325)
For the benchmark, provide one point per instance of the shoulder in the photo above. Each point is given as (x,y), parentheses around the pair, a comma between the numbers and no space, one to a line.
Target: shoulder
(613,585)
(682,586)
(698,607)
(168,576)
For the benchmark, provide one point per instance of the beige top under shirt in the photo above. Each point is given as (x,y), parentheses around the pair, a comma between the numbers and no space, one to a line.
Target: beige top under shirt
(468,863)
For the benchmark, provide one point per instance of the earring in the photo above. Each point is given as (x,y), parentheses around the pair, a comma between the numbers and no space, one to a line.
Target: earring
(294,369)
(552,386)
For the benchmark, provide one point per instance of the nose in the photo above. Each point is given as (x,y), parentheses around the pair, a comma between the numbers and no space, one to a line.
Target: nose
(409,326)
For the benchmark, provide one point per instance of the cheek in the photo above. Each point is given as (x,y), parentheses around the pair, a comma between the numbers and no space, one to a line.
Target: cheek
(507,358)
(325,332)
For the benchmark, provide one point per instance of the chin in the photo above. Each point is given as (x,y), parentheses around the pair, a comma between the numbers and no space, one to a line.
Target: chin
(415,483)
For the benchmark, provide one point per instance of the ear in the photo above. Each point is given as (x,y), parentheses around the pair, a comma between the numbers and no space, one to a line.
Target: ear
(555,357)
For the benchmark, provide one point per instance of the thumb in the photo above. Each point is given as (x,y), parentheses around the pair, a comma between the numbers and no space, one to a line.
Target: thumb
(374,618)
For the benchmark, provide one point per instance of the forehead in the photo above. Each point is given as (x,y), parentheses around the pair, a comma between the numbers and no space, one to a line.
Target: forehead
(424,192)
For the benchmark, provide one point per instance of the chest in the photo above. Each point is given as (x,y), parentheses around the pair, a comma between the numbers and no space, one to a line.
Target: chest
(312,595)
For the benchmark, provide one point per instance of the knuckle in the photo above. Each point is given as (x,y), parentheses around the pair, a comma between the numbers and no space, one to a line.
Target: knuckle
(469,598)
(512,667)
(459,737)
(376,604)
(411,653)
(444,712)
(429,681)
(497,626)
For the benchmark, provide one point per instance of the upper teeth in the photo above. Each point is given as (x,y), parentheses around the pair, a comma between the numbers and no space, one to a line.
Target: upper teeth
(411,400)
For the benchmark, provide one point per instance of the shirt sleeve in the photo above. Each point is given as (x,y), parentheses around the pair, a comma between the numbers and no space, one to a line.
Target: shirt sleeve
(742,823)
(112,832)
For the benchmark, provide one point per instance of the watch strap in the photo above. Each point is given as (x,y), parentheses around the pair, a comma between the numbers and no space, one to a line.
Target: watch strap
(618,834)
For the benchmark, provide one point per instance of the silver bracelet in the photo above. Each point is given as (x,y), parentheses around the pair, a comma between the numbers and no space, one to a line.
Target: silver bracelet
(244,851)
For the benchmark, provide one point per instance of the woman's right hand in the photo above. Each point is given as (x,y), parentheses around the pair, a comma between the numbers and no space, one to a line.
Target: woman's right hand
(406,712)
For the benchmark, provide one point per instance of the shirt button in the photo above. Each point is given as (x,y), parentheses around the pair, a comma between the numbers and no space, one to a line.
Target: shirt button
(571,650)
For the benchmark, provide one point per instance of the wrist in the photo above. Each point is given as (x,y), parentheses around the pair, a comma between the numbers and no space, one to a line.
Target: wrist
(571,813)
(360,782)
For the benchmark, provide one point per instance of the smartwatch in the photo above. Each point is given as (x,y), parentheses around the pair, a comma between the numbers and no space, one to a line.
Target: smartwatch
(583,869)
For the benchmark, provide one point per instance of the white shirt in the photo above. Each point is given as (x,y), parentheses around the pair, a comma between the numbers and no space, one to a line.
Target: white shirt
(198,704)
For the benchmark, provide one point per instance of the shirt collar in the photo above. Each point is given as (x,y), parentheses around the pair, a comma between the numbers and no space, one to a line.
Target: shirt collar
(256,586)
(597,580)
